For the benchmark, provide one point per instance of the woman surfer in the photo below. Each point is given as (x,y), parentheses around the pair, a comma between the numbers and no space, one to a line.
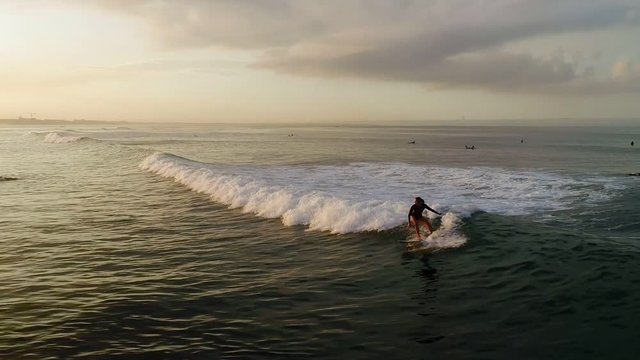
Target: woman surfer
(415,215)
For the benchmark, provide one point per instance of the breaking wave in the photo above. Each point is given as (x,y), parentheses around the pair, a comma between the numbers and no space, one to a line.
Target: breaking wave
(375,196)
(62,138)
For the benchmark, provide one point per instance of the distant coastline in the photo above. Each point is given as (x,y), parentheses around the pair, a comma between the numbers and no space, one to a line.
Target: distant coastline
(544,122)
(28,121)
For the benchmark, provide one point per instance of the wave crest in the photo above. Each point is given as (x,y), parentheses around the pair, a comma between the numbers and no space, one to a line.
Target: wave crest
(295,206)
(62,138)
(376,196)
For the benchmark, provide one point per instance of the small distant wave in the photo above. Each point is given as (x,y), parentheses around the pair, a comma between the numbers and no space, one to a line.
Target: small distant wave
(119,134)
(8,178)
(376,196)
(62,138)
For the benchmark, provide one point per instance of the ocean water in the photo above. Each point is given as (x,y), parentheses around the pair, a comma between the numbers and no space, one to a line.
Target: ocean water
(269,242)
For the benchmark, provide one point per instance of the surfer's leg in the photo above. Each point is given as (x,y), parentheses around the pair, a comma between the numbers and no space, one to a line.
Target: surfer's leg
(426,222)
(416,222)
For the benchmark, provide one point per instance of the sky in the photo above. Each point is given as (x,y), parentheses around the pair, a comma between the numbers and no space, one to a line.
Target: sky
(319,61)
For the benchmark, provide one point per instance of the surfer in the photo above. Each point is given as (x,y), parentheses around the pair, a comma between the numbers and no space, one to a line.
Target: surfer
(415,215)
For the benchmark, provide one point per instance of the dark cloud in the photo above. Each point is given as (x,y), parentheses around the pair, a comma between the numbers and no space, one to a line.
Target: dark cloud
(445,43)
(496,70)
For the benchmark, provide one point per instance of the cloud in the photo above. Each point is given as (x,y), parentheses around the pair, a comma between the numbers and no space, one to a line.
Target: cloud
(171,65)
(495,69)
(439,43)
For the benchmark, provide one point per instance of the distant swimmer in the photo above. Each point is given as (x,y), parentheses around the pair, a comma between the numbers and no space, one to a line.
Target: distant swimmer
(521,141)
(632,143)
(411,142)
(416,218)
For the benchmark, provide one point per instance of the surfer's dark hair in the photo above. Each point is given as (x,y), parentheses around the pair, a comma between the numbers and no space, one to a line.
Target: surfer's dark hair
(419,199)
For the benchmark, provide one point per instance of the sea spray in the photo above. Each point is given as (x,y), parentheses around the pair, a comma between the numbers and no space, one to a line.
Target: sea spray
(448,235)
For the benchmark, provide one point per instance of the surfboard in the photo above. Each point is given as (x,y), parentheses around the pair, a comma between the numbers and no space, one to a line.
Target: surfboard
(422,249)
(420,246)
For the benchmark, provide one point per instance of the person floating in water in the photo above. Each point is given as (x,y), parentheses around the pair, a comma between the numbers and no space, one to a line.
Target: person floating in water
(416,218)
(632,143)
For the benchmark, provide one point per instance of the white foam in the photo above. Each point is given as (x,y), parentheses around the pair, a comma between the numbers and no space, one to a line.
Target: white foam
(373,196)
(447,235)
(61,138)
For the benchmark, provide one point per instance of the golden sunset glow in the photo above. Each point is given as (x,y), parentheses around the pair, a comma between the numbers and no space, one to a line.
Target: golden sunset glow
(222,61)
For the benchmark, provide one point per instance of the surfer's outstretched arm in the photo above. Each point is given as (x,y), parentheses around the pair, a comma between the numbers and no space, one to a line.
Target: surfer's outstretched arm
(430,209)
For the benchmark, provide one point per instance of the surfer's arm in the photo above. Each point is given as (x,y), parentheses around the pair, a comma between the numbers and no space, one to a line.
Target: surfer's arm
(430,209)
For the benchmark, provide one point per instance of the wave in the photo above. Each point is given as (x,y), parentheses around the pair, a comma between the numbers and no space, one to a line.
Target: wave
(296,206)
(62,138)
(126,135)
(8,178)
(446,236)
(116,134)
(375,196)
